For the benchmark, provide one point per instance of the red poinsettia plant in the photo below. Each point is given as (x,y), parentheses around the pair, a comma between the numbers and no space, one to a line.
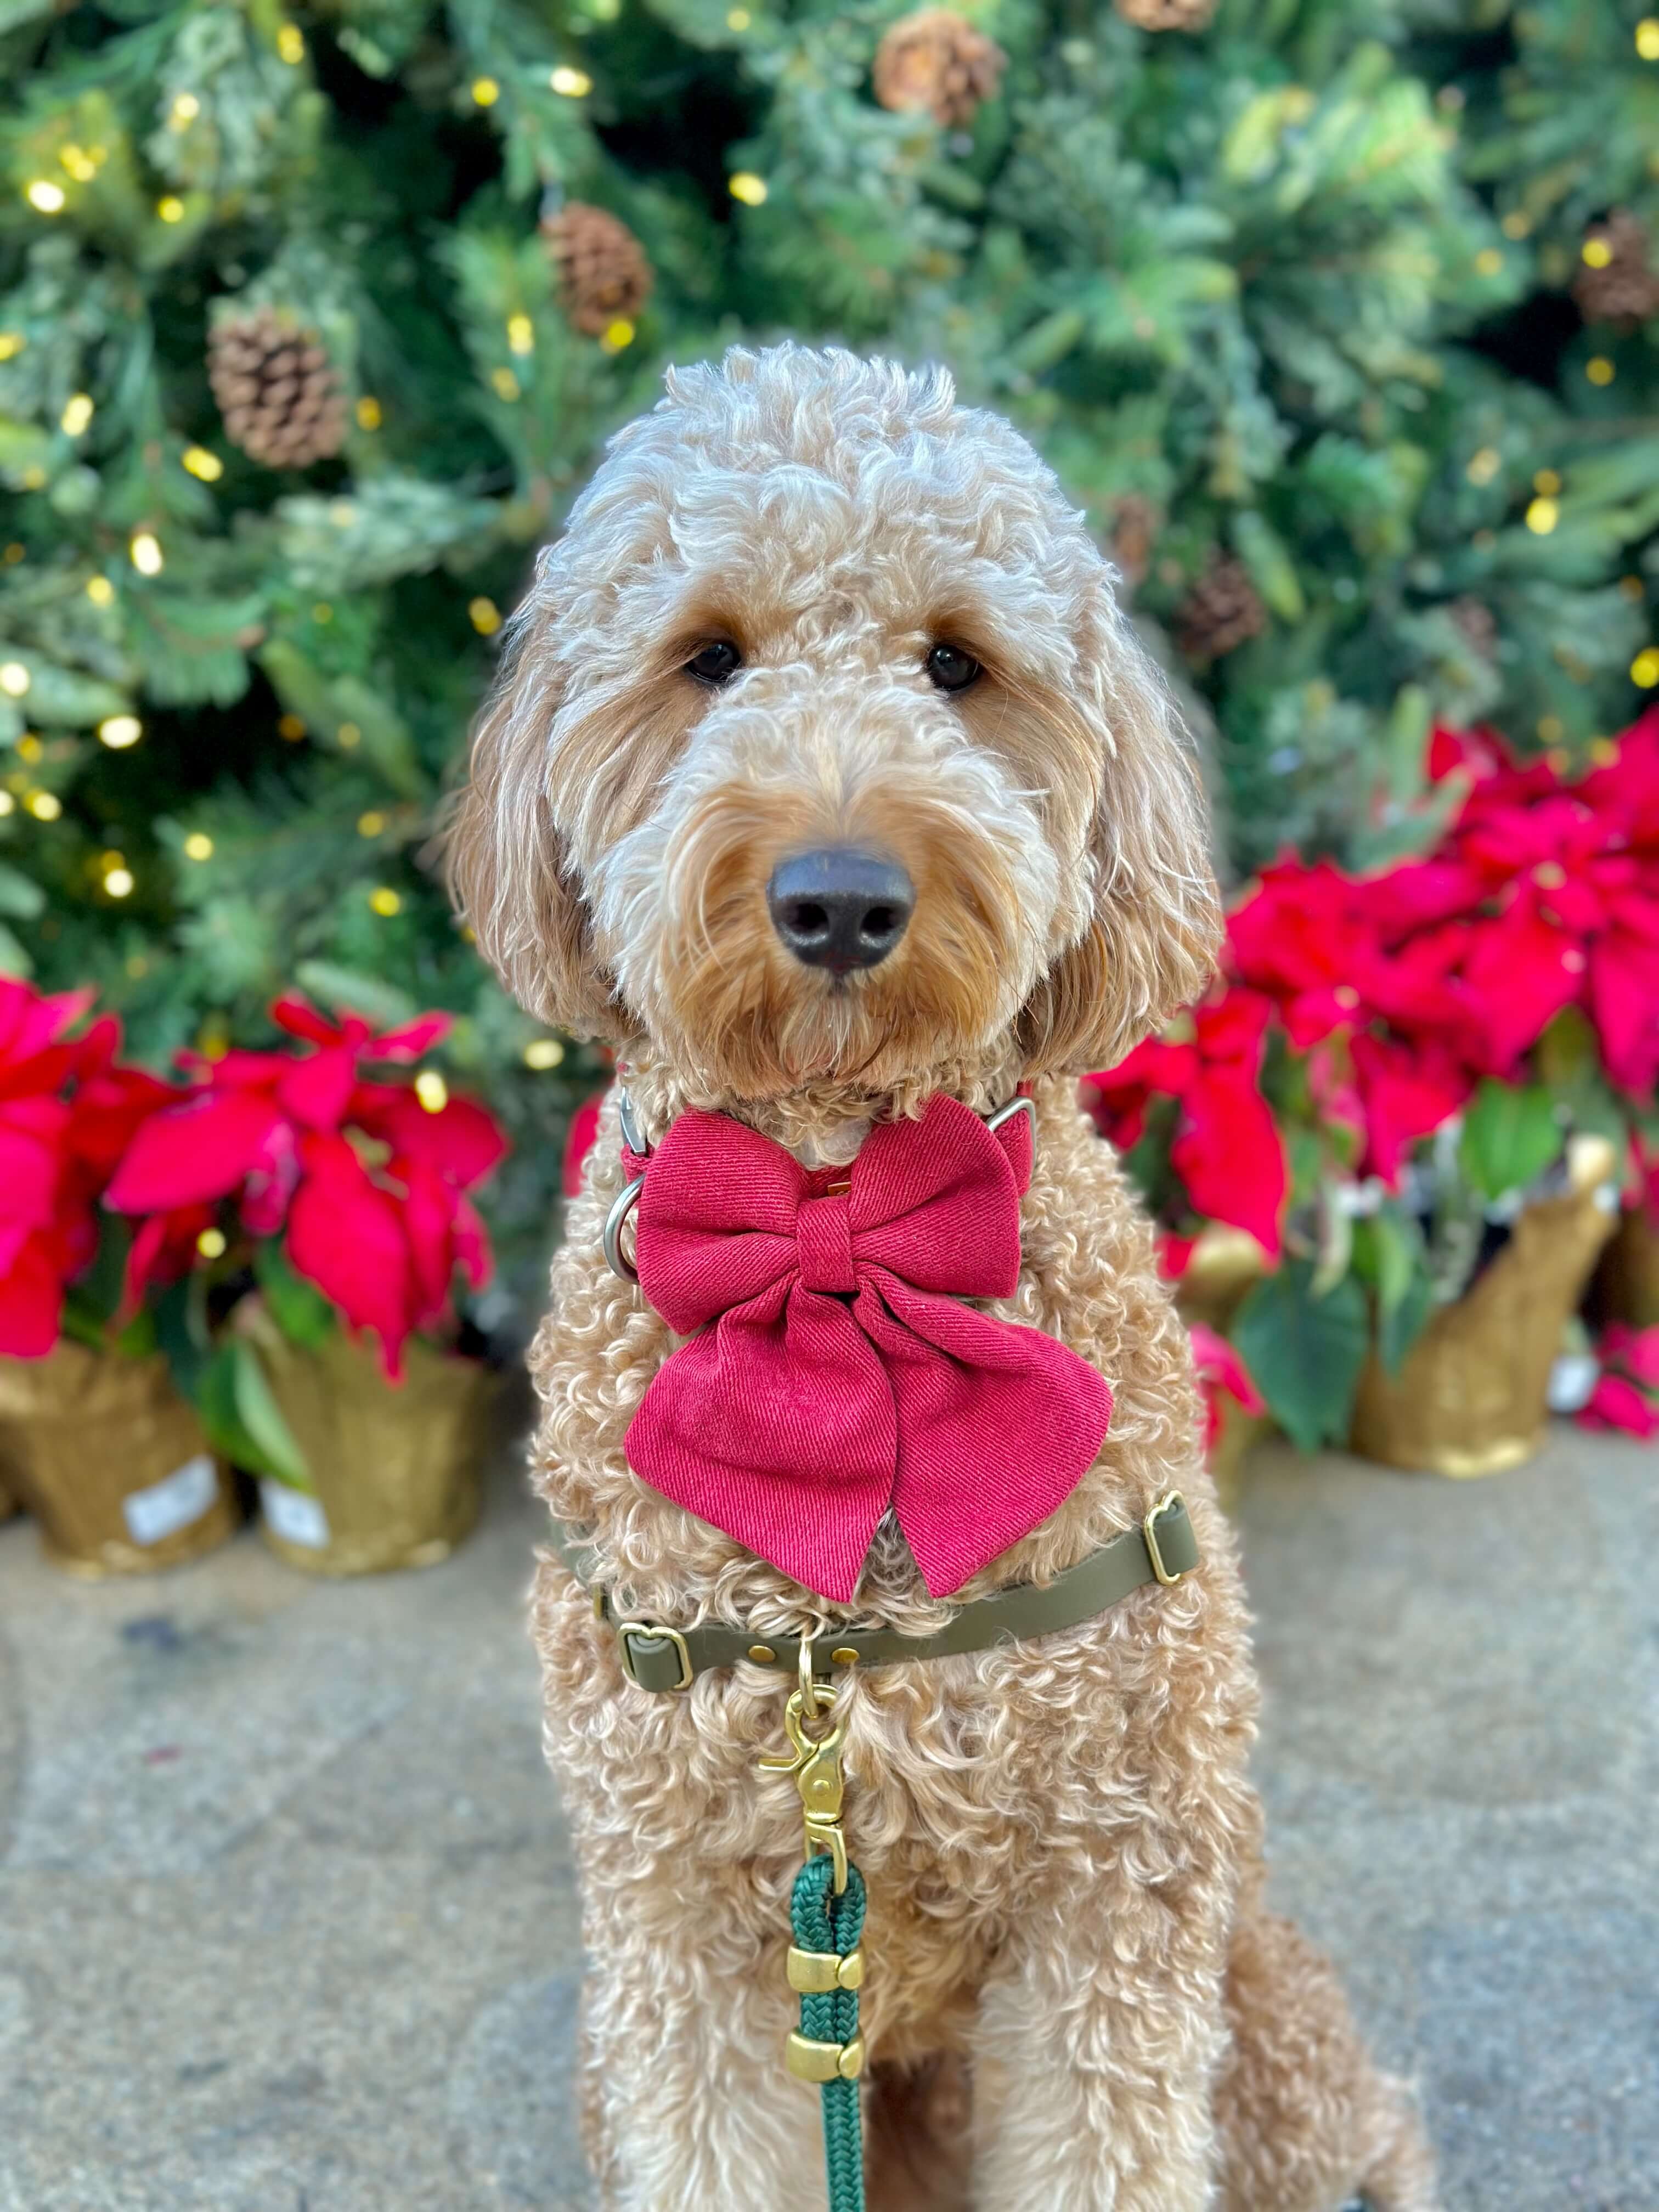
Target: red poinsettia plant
(135,1213)
(1390,1062)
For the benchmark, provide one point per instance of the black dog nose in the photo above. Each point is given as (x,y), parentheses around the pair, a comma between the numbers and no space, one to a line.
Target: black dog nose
(839,907)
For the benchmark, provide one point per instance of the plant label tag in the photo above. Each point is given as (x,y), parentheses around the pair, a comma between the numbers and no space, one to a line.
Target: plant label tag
(172,1504)
(295,1515)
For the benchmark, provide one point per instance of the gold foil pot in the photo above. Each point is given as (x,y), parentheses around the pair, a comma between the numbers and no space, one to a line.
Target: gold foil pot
(396,1468)
(1237,1431)
(1627,1280)
(1471,1396)
(1224,1263)
(112,1461)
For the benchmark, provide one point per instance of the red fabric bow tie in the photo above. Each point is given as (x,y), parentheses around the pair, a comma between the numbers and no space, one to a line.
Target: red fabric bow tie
(835,1371)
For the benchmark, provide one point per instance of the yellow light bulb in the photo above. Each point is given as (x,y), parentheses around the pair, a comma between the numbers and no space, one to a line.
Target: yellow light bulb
(542,1052)
(30,747)
(76,414)
(291,727)
(486,91)
(1489,262)
(291,45)
(183,112)
(7,802)
(1542,516)
(485,616)
(432,1091)
(520,334)
(171,208)
(198,846)
(1597,252)
(44,197)
(385,901)
(368,413)
(119,882)
(1548,482)
(44,805)
(370,825)
(746,186)
(505,384)
(15,678)
(1647,38)
(617,335)
(12,343)
(738,19)
(1599,370)
(1645,669)
(118,731)
(211,1243)
(81,165)
(206,467)
(144,551)
(348,737)
(574,84)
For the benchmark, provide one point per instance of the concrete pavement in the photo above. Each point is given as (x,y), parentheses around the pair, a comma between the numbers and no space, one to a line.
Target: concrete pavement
(286,1920)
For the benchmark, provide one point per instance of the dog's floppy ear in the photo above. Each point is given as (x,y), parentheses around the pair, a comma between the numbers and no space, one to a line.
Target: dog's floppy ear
(1150,944)
(508,870)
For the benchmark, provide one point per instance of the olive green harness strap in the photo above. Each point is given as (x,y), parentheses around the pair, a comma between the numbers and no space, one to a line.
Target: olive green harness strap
(1163,1549)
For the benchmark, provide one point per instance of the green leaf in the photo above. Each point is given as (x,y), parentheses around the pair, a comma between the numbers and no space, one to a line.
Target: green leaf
(1305,1352)
(1268,557)
(243,1419)
(298,1308)
(1510,1135)
(1400,1324)
(14,956)
(347,992)
(21,897)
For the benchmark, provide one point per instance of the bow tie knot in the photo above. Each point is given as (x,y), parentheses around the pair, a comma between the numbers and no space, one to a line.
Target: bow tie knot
(832,1368)
(824,1243)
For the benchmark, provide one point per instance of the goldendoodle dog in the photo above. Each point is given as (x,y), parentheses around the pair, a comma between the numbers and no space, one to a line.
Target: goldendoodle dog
(825,780)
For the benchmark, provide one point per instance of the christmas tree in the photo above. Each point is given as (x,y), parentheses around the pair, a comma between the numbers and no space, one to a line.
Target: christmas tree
(1339,321)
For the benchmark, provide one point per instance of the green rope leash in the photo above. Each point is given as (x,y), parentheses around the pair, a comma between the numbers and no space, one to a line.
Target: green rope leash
(827,1929)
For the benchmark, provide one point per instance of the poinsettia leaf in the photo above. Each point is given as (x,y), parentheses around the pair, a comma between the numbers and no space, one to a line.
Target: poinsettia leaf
(1304,1352)
(299,1308)
(1400,1324)
(243,1420)
(181,1333)
(1388,1250)
(263,1421)
(1511,1135)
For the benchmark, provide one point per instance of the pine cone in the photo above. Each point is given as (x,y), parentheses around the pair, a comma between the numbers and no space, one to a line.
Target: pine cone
(1167,15)
(1220,611)
(934,63)
(1623,288)
(278,394)
(603,275)
(1135,533)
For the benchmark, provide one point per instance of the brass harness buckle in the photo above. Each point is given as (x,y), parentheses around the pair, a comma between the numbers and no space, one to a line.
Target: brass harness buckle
(1167,1503)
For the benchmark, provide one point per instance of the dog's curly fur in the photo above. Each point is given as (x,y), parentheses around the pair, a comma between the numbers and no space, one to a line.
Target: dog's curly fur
(1076,2001)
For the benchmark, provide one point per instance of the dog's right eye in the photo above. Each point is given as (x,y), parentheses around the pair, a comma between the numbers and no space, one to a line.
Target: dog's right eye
(714,664)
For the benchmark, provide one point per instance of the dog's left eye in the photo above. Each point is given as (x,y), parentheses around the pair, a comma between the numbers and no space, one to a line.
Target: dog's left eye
(715,663)
(950,668)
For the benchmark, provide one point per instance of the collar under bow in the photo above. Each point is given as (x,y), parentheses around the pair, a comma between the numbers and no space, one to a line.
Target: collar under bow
(833,1369)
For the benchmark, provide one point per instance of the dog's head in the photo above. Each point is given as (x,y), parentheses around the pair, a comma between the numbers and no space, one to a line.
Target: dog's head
(822,752)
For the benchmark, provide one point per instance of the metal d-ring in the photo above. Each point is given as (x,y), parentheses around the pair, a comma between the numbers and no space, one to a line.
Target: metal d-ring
(632,1135)
(624,1204)
(1026,1106)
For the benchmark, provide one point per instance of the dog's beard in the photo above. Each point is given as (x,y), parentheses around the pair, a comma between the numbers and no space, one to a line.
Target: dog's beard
(694,951)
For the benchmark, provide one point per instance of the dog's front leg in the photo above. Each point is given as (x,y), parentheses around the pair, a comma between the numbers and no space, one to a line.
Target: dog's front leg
(1097,2049)
(687,2105)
